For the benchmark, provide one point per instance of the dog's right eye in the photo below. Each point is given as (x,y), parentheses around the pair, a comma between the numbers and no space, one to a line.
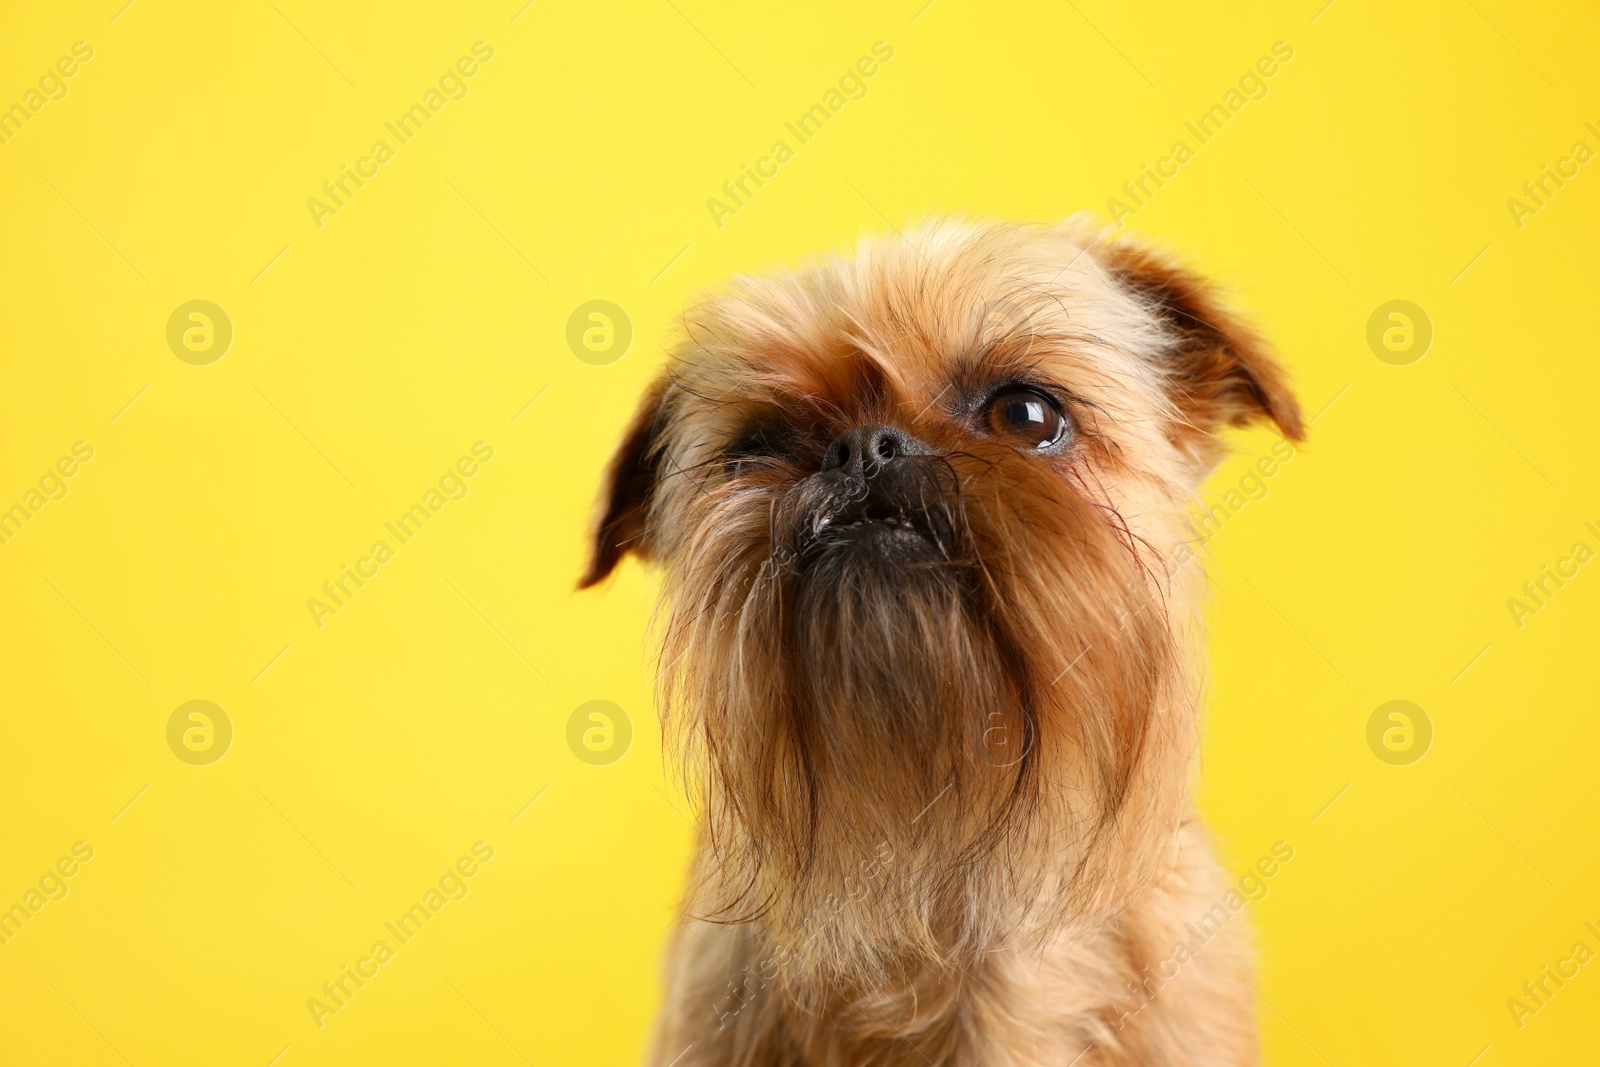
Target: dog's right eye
(764,440)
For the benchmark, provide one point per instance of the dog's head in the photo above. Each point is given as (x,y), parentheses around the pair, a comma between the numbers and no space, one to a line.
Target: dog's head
(916,512)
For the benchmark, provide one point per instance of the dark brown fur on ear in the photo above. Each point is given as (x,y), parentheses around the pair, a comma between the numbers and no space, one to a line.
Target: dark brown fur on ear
(1222,372)
(626,492)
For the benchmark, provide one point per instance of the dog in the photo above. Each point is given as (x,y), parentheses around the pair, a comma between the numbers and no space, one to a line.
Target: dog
(928,655)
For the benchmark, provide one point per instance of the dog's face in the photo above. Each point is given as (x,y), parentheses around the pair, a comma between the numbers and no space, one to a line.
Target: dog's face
(915,512)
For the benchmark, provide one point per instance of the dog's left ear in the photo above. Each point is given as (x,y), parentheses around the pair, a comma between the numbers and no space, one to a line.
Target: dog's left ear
(1220,370)
(626,492)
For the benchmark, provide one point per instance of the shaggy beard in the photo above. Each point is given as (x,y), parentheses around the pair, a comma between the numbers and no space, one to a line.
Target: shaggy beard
(897,773)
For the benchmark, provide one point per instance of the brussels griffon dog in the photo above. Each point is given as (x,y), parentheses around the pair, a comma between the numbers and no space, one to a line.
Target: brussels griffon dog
(927,623)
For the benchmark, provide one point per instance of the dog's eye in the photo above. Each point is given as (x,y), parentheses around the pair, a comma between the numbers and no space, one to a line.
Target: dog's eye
(764,440)
(1028,415)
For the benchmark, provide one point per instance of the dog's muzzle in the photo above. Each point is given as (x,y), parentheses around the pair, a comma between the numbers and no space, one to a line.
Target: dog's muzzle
(882,491)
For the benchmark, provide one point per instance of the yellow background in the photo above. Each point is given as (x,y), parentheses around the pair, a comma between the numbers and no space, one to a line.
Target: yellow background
(432,308)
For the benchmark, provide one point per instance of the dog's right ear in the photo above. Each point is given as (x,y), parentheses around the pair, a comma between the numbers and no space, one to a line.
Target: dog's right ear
(626,492)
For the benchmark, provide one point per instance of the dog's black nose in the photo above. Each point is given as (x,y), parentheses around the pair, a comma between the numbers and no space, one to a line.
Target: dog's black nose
(865,450)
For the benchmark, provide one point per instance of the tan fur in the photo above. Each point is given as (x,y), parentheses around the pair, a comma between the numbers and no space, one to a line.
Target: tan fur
(947,813)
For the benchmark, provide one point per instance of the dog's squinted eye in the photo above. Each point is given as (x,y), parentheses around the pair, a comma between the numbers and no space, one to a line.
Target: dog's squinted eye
(764,440)
(1027,415)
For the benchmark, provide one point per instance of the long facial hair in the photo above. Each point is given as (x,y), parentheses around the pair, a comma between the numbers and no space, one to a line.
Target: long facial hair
(884,739)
